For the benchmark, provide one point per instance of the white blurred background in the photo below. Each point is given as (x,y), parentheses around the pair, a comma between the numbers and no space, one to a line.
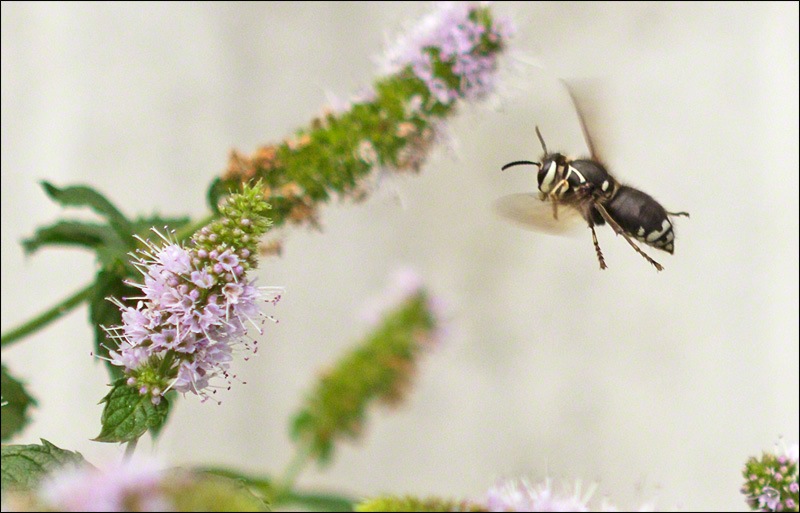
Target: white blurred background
(654,385)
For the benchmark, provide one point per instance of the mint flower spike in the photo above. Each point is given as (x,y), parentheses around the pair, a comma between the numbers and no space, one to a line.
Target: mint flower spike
(771,481)
(196,304)
(452,50)
(449,58)
(378,369)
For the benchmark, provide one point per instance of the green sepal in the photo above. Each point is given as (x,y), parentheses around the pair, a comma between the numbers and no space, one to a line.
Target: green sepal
(23,466)
(16,402)
(127,414)
(83,196)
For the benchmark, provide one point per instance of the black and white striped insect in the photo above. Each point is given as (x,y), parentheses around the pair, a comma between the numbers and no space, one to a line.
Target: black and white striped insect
(586,187)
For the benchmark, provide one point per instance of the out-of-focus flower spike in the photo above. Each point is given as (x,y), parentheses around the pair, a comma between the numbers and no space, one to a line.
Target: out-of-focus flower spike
(378,369)
(448,58)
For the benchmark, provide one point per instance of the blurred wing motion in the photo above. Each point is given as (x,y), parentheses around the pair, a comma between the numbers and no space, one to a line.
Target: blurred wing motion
(587,98)
(528,211)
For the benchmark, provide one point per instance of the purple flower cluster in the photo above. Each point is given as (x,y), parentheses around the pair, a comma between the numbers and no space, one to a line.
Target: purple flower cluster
(520,495)
(771,481)
(133,485)
(452,34)
(195,309)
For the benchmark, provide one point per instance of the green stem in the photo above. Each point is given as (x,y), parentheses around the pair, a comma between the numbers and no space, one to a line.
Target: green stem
(129,448)
(286,484)
(47,317)
(317,501)
(79,297)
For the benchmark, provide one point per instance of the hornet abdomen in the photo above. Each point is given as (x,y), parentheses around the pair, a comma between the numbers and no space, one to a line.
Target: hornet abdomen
(642,217)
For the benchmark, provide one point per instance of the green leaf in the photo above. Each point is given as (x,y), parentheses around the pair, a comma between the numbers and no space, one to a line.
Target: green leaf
(76,233)
(23,466)
(142,225)
(14,394)
(128,414)
(167,399)
(109,283)
(312,501)
(263,485)
(82,196)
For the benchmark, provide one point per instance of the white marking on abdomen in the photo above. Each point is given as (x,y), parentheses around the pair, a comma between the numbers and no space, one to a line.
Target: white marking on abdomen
(655,235)
(605,185)
(669,236)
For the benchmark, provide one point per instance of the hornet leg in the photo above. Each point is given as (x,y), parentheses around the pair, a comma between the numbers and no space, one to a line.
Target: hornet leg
(554,198)
(617,228)
(597,248)
(679,214)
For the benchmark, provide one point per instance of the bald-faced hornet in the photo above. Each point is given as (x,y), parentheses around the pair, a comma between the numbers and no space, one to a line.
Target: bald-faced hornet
(586,187)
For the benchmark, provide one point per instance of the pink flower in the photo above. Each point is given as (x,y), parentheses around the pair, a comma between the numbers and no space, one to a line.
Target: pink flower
(132,485)
(194,312)
(520,495)
(769,498)
(456,39)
